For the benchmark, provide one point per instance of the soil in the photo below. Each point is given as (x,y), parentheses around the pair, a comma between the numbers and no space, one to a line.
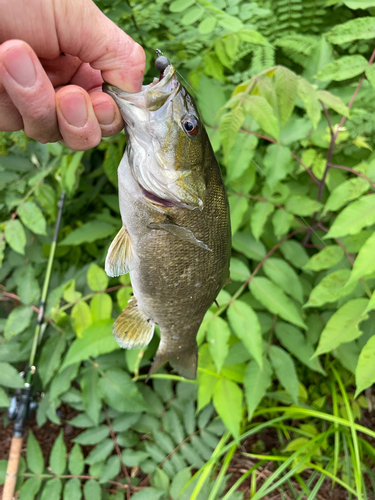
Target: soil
(240,463)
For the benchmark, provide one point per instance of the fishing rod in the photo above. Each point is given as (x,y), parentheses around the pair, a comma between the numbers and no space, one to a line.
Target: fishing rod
(23,402)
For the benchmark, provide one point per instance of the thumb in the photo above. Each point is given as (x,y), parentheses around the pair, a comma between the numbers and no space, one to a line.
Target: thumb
(85,32)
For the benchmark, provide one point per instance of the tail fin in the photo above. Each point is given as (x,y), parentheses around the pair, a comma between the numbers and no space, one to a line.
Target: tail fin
(184,362)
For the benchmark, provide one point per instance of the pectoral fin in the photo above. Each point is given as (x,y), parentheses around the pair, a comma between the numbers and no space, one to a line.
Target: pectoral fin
(180,232)
(121,256)
(132,329)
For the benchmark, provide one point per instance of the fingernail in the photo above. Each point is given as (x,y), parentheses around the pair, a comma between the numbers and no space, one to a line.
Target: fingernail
(105,113)
(74,109)
(19,65)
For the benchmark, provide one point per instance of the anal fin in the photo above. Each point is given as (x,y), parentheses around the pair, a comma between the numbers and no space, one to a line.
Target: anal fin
(121,256)
(132,329)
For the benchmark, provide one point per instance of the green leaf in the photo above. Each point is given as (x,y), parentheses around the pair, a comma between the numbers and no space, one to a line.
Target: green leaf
(365,371)
(15,236)
(131,458)
(362,28)
(120,392)
(230,23)
(286,91)
(76,462)
(326,258)
(354,217)
(252,36)
(333,102)
(247,244)
(179,481)
(92,490)
(191,16)
(331,288)
(89,232)
(284,275)
(97,278)
(90,393)
(274,299)
(370,74)
(180,5)
(160,481)
(95,340)
(281,221)
(309,97)
(4,400)
(262,113)
(240,156)
(238,207)
(239,271)
(302,205)
(295,342)
(101,307)
(71,171)
(228,404)
(278,164)
(343,325)
(218,334)
(364,264)
(57,459)
(344,192)
(28,288)
(34,456)
(256,382)
(259,216)
(72,489)
(111,469)
(30,488)
(9,376)
(359,4)
(50,357)
(92,436)
(285,370)
(207,25)
(147,494)
(295,253)
(245,324)
(100,453)
(33,218)
(343,68)
(229,125)
(81,316)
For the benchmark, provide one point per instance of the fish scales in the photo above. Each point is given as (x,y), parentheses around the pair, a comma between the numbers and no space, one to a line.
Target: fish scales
(176,236)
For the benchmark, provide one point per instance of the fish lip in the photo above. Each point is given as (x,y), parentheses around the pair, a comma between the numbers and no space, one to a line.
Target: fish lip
(118,93)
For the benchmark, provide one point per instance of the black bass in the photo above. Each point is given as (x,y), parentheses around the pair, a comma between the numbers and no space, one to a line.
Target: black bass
(175,241)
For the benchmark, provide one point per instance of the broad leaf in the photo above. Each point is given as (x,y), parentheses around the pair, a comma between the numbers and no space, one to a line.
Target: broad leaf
(285,276)
(239,271)
(76,462)
(92,490)
(101,307)
(331,288)
(92,436)
(34,455)
(52,489)
(72,489)
(302,205)
(261,111)
(259,216)
(278,164)
(309,97)
(343,68)
(90,393)
(95,340)
(345,192)
(295,342)
(364,264)
(285,370)
(247,244)
(256,382)
(33,218)
(326,258)
(343,325)
(120,392)
(245,324)
(274,299)
(365,371)
(15,236)
(286,91)
(81,316)
(228,404)
(9,376)
(354,217)
(362,28)
(57,459)
(89,232)
(218,334)
(97,278)
(334,102)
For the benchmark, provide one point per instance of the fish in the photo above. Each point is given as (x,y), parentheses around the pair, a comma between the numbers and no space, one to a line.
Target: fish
(175,239)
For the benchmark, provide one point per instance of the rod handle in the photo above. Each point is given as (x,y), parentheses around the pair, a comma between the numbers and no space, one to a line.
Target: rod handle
(11,474)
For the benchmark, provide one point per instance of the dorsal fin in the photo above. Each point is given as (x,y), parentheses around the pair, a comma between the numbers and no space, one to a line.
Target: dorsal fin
(121,257)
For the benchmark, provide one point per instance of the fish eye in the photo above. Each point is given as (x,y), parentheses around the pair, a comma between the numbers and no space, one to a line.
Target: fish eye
(190,126)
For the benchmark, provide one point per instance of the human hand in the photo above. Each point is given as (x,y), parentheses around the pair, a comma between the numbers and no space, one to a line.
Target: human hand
(55,97)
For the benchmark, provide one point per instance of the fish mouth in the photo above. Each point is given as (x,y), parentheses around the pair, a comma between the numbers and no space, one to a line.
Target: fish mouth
(151,96)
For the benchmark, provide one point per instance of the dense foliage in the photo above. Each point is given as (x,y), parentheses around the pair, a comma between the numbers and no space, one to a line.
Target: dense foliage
(287,92)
